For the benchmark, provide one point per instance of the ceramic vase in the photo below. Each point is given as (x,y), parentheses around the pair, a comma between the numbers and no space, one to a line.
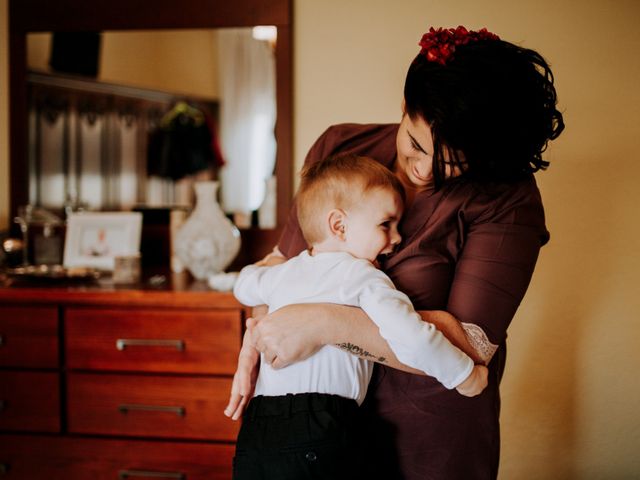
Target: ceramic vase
(207,242)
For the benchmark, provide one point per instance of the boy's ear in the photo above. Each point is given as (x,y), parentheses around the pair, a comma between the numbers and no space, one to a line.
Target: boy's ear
(337,223)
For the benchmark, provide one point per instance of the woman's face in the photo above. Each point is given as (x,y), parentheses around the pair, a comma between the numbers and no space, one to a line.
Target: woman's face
(415,152)
(414,144)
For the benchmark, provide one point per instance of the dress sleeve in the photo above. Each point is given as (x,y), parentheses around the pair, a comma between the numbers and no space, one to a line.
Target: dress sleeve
(292,241)
(495,267)
(416,343)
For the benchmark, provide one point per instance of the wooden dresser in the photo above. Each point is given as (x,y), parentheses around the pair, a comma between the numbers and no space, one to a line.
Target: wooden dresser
(104,383)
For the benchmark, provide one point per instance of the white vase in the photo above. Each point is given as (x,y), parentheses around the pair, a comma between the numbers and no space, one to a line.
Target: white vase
(207,242)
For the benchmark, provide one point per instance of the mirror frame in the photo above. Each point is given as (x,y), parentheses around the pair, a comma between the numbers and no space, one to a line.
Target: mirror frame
(27,16)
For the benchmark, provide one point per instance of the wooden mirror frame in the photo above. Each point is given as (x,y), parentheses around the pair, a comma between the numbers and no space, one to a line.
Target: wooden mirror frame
(27,16)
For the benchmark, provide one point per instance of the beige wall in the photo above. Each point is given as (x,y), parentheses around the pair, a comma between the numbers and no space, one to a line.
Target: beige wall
(571,389)
(571,393)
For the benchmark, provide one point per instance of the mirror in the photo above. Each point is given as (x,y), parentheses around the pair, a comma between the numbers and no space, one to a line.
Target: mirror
(29,16)
(139,116)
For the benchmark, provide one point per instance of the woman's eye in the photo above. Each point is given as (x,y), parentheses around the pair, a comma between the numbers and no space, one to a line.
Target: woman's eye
(385,225)
(417,148)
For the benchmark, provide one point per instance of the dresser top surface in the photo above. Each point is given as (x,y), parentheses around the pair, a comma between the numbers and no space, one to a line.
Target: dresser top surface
(169,290)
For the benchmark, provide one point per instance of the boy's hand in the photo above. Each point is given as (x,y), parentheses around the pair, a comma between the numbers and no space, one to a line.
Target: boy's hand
(244,380)
(275,257)
(475,383)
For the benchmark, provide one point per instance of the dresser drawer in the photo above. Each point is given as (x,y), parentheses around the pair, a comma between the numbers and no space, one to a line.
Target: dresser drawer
(197,341)
(51,458)
(29,337)
(30,401)
(150,406)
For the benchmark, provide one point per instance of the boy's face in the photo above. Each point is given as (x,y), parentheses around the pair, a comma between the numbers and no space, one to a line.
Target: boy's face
(371,226)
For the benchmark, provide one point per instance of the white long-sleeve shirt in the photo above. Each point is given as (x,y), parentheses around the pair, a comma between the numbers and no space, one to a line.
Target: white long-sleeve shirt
(338,277)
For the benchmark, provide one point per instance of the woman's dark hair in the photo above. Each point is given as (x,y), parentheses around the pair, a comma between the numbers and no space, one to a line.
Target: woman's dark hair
(491,109)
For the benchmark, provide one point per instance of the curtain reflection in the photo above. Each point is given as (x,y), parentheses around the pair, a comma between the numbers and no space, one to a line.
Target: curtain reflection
(247,118)
(88,146)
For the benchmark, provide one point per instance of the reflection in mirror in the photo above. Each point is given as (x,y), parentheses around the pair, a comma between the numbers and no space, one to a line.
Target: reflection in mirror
(111,141)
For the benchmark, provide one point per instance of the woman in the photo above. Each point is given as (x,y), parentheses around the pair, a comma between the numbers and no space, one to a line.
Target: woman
(477,115)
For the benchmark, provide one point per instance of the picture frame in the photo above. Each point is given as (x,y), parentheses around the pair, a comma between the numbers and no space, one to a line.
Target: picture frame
(95,239)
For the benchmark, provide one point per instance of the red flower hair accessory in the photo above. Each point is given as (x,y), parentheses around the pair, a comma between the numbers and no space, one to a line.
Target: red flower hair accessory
(439,45)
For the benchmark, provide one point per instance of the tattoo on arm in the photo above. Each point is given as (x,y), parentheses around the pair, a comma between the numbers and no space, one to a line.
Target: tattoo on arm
(356,350)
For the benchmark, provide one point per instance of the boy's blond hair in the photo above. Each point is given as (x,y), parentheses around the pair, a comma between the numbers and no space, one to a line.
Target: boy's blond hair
(338,182)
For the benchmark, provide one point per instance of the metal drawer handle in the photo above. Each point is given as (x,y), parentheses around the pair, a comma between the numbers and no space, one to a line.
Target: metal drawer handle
(1,345)
(123,343)
(123,474)
(127,407)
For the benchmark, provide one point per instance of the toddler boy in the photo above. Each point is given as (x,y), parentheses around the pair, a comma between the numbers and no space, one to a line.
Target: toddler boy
(303,420)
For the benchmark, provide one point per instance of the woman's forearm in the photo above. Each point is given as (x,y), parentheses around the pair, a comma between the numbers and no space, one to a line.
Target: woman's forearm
(350,329)
(296,332)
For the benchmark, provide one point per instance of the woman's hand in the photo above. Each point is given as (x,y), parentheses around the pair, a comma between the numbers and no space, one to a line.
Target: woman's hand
(275,257)
(290,334)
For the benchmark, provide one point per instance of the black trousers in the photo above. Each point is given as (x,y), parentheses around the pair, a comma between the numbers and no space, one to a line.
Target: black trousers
(297,437)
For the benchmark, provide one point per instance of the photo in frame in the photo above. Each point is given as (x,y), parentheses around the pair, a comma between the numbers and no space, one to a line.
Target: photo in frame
(95,239)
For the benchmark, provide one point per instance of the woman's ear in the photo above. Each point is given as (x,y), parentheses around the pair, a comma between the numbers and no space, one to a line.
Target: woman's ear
(403,107)
(337,223)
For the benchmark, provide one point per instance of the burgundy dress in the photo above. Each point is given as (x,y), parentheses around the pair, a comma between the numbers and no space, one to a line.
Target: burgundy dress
(466,249)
